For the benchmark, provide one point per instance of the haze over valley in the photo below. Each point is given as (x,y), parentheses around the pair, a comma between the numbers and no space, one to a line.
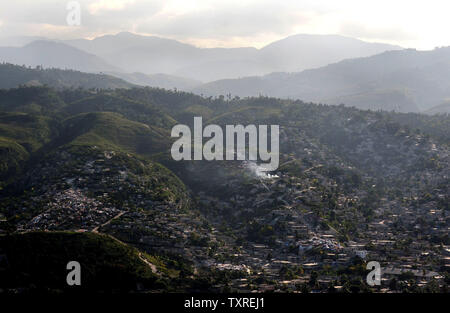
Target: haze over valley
(328,69)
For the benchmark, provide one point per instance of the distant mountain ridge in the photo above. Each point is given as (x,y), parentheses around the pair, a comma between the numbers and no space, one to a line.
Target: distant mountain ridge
(151,55)
(404,81)
(329,69)
(167,63)
(51,54)
(443,108)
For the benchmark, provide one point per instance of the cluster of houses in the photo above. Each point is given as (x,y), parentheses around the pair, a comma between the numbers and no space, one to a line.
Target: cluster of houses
(293,211)
(71,209)
(301,242)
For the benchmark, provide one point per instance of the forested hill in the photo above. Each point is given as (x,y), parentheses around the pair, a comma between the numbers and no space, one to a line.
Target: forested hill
(98,161)
(14,75)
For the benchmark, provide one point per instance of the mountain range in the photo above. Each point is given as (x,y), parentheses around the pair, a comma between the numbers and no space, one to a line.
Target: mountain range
(150,55)
(405,81)
(127,52)
(328,69)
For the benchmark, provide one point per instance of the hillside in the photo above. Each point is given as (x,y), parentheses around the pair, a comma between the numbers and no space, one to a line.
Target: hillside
(103,101)
(12,76)
(32,99)
(159,80)
(97,161)
(406,81)
(36,262)
(112,131)
(443,108)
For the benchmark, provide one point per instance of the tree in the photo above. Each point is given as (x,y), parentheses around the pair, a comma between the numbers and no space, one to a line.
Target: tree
(313,278)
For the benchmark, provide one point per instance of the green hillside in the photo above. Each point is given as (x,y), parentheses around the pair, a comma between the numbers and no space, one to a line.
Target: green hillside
(21,135)
(132,109)
(99,161)
(37,262)
(12,76)
(29,130)
(36,100)
(12,156)
(112,131)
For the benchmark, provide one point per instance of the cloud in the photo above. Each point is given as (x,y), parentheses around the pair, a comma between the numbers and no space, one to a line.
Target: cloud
(24,12)
(226,20)
(108,5)
(390,33)
(233,22)
(30,18)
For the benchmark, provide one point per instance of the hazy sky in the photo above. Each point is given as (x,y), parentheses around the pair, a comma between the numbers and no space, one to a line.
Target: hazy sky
(231,23)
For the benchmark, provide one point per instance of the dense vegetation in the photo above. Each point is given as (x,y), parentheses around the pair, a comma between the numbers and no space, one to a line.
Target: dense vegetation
(14,75)
(37,261)
(99,160)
